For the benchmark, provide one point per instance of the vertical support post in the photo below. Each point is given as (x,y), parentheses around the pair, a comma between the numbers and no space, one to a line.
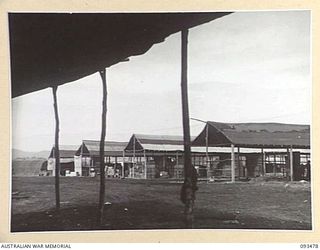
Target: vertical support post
(291,164)
(193,159)
(54,157)
(81,155)
(288,163)
(56,148)
(190,177)
(177,165)
(207,153)
(232,164)
(263,162)
(238,160)
(102,140)
(115,165)
(164,161)
(123,156)
(145,164)
(134,157)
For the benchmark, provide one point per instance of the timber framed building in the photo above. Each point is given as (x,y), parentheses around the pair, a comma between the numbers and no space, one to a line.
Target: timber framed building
(87,157)
(284,149)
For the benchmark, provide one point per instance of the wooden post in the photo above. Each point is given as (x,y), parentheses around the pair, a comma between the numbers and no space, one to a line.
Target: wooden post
(288,163)
(190,179)
(193,159)
(54,157)
(134,157)
(291,164)
(123,156)
(177,165)
(238,160)
(145,164)
(56,148)
(164,161)
(81,155)
(232,164)
(263,162)
(207,153)
(102,140)
(115,165)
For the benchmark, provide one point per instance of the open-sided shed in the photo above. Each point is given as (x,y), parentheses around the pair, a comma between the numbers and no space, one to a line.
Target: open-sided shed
(67,153)
(263,136)
(153,156)
(88,156)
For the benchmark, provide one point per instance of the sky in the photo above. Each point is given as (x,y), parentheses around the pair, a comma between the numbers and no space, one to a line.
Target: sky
(243,67)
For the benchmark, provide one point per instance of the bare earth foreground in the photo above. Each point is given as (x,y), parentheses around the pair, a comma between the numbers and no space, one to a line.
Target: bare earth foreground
(155,204)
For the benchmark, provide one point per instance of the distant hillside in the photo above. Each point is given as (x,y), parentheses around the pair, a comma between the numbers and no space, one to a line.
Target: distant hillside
(27,167)
(16,153)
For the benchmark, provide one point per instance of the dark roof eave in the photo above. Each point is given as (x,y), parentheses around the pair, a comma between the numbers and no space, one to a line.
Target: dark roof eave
(36,64)
(261,146)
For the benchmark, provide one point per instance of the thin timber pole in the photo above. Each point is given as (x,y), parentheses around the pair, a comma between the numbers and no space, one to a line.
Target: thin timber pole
(263,162)
(81,152)
(145,164)
(56,148)
(291,164)
(102,140)
(123,155)
(134,156)
(177,166)
(238,162)
(115,165)
(190,179)
(207,153)
(232,164)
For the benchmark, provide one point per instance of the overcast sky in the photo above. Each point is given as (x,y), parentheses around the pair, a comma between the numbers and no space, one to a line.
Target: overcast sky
(244,67)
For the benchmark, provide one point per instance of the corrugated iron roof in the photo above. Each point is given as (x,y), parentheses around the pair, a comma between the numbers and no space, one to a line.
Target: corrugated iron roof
(163,147)
(159,139)
(155,142)
(202,150)
(272,135)
(65,151)
(111,148)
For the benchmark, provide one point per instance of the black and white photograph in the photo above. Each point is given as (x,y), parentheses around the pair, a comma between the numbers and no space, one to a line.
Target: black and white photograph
(161,120)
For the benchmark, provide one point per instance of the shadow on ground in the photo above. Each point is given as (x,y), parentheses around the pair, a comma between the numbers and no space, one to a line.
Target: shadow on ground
(142,215)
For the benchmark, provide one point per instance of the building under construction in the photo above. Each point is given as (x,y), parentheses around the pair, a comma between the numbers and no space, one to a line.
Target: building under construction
(155,156)
(87,159)
(281,150)
(222,151)
(67,164)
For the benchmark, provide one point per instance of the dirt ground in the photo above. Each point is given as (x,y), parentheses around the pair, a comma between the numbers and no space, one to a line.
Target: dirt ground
(155,204)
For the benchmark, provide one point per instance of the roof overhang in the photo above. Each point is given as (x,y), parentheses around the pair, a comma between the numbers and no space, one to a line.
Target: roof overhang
(50,49)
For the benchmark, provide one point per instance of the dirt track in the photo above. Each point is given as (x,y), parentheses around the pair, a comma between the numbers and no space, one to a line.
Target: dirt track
(155,204)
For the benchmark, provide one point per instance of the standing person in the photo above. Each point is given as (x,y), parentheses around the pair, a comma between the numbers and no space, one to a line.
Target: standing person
(193,183)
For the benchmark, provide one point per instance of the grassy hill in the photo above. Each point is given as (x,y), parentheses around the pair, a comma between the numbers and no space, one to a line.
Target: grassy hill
(19,154)
(26,167)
